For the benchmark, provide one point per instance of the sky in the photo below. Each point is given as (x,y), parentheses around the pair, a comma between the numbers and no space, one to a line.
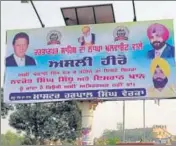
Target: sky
(15,15)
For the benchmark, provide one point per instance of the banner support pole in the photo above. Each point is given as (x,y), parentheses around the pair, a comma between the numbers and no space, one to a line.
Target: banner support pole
(144,120)
(87,109)
(123,120)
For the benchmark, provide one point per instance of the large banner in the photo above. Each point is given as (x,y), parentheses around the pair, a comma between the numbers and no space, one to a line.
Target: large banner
(116,61)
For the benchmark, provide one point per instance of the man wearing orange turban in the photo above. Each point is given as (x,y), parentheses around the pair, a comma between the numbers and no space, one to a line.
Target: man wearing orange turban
(87,38)
(158,34)
(160,71)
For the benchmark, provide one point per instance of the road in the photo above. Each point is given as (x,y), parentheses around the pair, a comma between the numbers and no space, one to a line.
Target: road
(173,144)
(150,145)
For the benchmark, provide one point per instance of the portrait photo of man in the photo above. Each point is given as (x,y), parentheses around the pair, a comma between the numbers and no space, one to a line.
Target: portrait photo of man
(160,71)
(87,37)
(158,35)
(20,45)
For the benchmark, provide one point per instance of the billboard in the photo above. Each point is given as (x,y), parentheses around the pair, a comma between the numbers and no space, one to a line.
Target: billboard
(114,61)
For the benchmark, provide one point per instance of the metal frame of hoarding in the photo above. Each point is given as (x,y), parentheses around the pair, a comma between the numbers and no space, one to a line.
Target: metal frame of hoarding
(38,16)
(134,11)
(35,10)
(89,6)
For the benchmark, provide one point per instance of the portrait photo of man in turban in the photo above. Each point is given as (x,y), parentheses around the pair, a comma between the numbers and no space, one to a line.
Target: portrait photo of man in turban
(158,35)
(160,71)
(87,38)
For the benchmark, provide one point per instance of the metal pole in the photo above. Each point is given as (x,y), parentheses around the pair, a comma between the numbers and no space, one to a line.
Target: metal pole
(144,120)
(134,11)
(124,121)
(37,14)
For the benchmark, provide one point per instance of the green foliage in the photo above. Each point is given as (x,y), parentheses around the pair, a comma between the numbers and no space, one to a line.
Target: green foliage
(131,135)
(100,141)
(106,141)
(112,141)
(52,121)
(11,138)
(5,108)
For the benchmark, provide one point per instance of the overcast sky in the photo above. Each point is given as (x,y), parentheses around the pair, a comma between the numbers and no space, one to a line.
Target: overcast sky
(15,15)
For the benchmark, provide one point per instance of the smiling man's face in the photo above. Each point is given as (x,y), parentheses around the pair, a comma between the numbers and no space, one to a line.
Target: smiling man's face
(20,47)
(157,41)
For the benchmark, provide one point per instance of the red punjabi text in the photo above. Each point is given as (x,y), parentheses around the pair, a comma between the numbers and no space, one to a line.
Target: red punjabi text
(48,51)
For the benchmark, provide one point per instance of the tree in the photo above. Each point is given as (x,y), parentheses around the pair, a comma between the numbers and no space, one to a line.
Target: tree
(131,135)
(5,108)
(113,141)
(51,121)
(11,138)
(106,141)
(100,141)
